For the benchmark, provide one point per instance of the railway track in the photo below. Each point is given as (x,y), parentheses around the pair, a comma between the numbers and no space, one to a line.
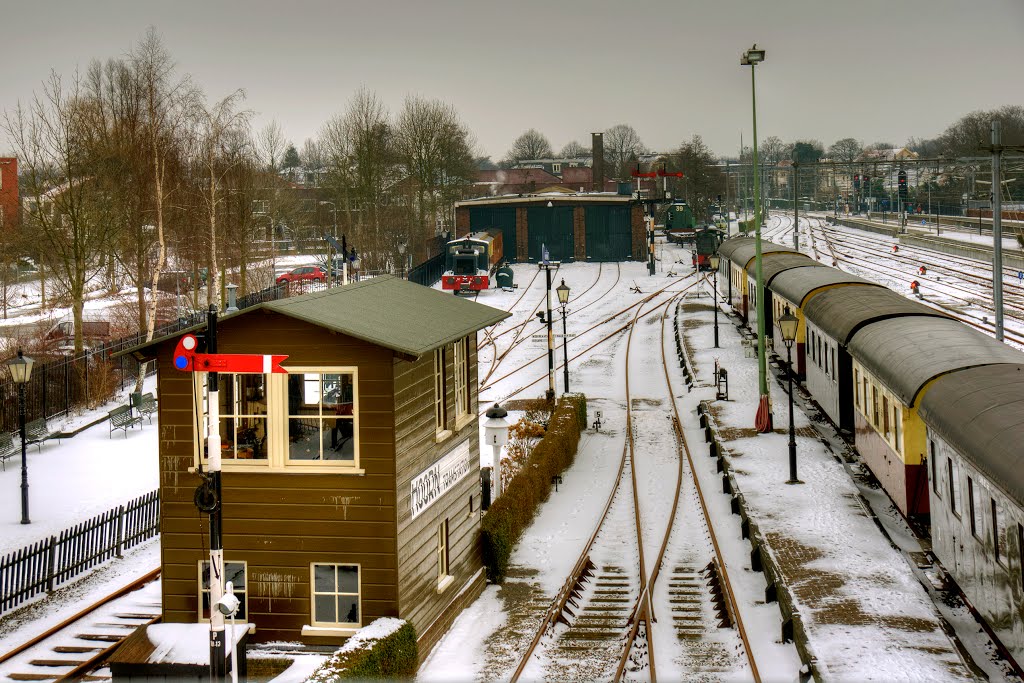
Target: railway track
(77,648)
(971,298)
(601,623)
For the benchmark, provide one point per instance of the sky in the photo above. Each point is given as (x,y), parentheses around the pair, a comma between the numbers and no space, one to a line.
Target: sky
(875,70)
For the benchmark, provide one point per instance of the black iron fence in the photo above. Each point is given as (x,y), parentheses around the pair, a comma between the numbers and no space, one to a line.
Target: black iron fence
(428,272)
(45,565)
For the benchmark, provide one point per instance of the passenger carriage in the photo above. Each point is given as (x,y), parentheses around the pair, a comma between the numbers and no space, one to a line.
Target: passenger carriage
(832,318)
(974,422)
(792,289)
(894,363)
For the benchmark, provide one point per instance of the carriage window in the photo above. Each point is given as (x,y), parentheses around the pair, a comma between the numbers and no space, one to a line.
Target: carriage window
(953,471)
(874,406)
(935,469)
(856,388)
(885,416)
(896,419)
(998,533)
(974,503)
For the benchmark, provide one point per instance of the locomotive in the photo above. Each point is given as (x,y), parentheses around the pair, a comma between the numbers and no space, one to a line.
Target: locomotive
(471,260)
(706,241)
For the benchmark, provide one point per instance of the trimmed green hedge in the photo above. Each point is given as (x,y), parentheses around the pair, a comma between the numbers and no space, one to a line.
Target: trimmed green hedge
(513,511)
(391,657)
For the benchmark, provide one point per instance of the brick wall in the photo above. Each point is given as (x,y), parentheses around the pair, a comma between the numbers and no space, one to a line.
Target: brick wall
(522,236)
(636,221)
(461,221)
(579,232)
(8,193)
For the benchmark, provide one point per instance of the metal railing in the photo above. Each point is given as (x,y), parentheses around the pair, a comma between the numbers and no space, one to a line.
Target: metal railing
(45,565)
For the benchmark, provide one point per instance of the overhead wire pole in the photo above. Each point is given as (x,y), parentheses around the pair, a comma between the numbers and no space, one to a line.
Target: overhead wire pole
(763,419)
(997,230)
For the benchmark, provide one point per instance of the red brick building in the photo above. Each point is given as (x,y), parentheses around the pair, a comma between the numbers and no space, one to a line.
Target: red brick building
(9,208)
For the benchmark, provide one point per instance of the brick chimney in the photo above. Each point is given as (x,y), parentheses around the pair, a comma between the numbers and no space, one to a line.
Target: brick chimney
(597,165)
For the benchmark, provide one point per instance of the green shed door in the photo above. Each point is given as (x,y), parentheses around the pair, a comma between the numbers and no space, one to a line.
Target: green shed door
(503,217)
(609,237)
(551,228)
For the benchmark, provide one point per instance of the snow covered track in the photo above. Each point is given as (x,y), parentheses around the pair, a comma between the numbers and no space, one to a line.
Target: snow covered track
(605,616)
(77,648)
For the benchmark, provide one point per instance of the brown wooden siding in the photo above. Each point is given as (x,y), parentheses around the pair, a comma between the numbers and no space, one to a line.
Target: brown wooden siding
(281,522)
(419,601)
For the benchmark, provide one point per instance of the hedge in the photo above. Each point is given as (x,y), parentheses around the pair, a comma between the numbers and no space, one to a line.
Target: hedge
(384,649)
(513,511)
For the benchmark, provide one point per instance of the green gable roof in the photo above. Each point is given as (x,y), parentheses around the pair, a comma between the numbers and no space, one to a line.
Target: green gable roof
(387,311)
(391,312)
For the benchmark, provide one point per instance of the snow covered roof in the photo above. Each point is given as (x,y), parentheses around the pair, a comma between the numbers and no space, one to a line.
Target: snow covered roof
(841,312)
(387,311)
(905,353)
(980,413)
(796,283)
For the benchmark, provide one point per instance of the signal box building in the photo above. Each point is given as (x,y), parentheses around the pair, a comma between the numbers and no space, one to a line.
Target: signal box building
(351,485)
(599,226)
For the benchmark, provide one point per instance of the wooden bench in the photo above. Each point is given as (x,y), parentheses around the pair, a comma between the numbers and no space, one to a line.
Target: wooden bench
(145,404)
(7,448)
(122,418)
(36,432)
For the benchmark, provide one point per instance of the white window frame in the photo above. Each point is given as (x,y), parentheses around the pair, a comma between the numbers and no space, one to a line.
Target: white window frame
(460,372)
(284,416)
(242,594)
(955,499)
(338,625)
(556,168)
(441,431)
(444,552)
(977,512)
(277,427)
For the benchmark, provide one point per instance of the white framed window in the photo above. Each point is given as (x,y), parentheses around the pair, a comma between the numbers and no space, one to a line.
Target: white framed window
(556,168)
(306,420)
(440,387)
(233,572)
(442,553)
(336,595)
(461,373)
(260,207)
(321,416)
(953,471)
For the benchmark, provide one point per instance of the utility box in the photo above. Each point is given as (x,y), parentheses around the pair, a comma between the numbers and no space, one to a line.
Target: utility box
(504,278)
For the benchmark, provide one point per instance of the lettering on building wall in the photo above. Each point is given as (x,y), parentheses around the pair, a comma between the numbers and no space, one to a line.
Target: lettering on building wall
(433,482)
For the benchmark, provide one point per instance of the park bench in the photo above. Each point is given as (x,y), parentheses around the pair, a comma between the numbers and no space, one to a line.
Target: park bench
(36,432)
(145,404)
(7,448)
(122,418)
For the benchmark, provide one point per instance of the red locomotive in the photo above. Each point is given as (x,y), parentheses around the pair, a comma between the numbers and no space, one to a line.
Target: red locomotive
(471,260)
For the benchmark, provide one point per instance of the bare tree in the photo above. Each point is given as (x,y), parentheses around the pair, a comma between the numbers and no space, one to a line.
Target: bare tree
(966,136)
(574,150)
(530,145)
(53,137)
(435,148)
(270,145)
(703,179)
(845,150)
(622,147)
(216,126)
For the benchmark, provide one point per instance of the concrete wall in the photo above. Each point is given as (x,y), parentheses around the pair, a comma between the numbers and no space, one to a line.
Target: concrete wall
(993,585)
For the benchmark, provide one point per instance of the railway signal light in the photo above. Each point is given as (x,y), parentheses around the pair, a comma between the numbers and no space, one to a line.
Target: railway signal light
(856,181)
(902,181)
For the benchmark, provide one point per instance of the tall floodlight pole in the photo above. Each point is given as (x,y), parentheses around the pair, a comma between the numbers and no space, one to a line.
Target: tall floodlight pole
(997,230)
(763,420)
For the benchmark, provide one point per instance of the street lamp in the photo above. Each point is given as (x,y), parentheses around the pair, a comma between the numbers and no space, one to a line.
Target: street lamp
(496,434)
(21,370)
(788,324)
(401,252)
(763,420)
(714,260)
(563,298)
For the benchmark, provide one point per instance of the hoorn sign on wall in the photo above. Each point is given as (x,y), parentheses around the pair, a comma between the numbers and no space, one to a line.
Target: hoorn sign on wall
(434,482)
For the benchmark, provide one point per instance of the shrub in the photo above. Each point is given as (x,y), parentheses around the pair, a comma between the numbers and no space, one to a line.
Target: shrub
(513,511)
(384,649)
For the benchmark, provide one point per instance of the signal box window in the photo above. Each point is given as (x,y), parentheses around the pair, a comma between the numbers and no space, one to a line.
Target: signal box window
(336,591)
(243,416)
(321,416)
(233,572)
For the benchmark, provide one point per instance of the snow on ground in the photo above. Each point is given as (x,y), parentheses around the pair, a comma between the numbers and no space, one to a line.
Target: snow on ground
(76,479)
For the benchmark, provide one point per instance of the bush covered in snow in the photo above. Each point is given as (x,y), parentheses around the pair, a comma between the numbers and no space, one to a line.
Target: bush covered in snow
(513,511)
(384,649)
